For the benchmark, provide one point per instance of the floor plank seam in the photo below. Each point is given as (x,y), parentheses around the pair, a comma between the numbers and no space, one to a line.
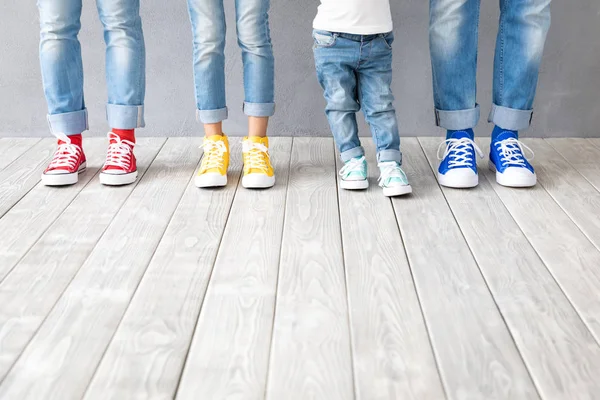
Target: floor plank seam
(287,190)
(185,359)
(419,296)
(483,276)
(21,155)
(346,283)
(93,375)
(49,226)
(77,272)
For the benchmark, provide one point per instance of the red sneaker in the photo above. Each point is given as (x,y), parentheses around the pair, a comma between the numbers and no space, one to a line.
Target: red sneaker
(120,167)
(66,165)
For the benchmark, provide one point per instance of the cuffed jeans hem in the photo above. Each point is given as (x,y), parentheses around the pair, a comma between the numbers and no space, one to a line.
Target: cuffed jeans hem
(510,118)
(259,109)
(389,155)
(212,116)
(352,153)
(125,117)
(71,123)
(457,120)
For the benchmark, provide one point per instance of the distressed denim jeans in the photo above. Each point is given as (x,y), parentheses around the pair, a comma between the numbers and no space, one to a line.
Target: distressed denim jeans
(62,67)
(453,37)
(254,38)
(355,72)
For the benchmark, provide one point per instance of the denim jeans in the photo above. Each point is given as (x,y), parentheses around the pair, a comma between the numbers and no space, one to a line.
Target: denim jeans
(254,38)
(355,72)
(62,68)
(453,34)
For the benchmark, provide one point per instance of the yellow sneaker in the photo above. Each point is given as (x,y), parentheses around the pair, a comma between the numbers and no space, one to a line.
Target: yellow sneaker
(213,170)
(258,172)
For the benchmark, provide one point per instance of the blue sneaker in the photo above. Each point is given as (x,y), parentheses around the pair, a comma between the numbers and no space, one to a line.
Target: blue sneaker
(458,167)
(354,174)
(507,160)
(393,180)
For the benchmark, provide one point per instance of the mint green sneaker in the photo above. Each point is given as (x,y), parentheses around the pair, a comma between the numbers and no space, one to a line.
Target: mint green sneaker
(393,180)
(354,174)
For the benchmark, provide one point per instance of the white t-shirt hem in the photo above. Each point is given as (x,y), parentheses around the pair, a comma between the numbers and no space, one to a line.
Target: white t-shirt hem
(355,30)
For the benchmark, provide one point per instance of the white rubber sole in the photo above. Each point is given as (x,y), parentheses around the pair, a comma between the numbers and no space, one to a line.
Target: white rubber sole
(516,180)
(395,191)
(354,185)
(458,182)
(118,179)
(63,179)
(209,180)
(258,181)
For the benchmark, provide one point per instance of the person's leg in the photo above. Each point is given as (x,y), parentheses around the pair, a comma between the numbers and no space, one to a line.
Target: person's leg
(453,37)
(336,59)
(126,84)
(519,48)
(62,76)
(254,39)
(207,18)
(377,100)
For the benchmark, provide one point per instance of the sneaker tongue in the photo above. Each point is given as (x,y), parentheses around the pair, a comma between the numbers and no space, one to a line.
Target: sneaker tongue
(460,135)
(261,140)
(214,138)
(506,135)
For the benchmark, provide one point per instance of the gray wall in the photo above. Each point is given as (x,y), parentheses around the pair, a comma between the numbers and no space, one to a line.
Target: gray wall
(568,101)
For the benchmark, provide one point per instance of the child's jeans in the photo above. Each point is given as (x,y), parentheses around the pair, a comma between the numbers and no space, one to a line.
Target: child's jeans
(208,28)
(356,71)
(62,68)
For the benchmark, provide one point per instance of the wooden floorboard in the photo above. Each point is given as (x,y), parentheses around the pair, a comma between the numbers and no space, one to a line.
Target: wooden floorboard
(547,330)
(23,174)
(13,148)
(476,354)
(146,356)
(571,258)
(582,154)
(60,360)
(390,343)
(579,199)
(160,290)
(32,288)
(24,223)
(230,347)
(311,352)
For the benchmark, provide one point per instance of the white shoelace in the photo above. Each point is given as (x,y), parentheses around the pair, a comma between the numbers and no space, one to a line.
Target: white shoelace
(390,169)
(66,154)
(255,156)
(213,154)
(512,152)
(119,153)
(459,152)
(353,165)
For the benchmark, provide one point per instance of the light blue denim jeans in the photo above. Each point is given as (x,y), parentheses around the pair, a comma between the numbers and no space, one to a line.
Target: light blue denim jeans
(453,37)
(254,38)
(355,72)
(62,68)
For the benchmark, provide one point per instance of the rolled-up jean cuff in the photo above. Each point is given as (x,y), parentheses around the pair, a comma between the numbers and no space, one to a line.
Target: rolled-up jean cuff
(510,118)
(352,153)
(125,117)
(212,116)
(259,109)
(389,155)
(457,120)
(71,123)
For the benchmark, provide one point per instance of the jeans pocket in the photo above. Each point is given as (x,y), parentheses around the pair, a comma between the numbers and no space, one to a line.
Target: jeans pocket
(324,39)
(388,39)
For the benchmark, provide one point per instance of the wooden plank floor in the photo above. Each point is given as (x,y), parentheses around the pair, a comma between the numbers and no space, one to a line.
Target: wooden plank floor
(160,290)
